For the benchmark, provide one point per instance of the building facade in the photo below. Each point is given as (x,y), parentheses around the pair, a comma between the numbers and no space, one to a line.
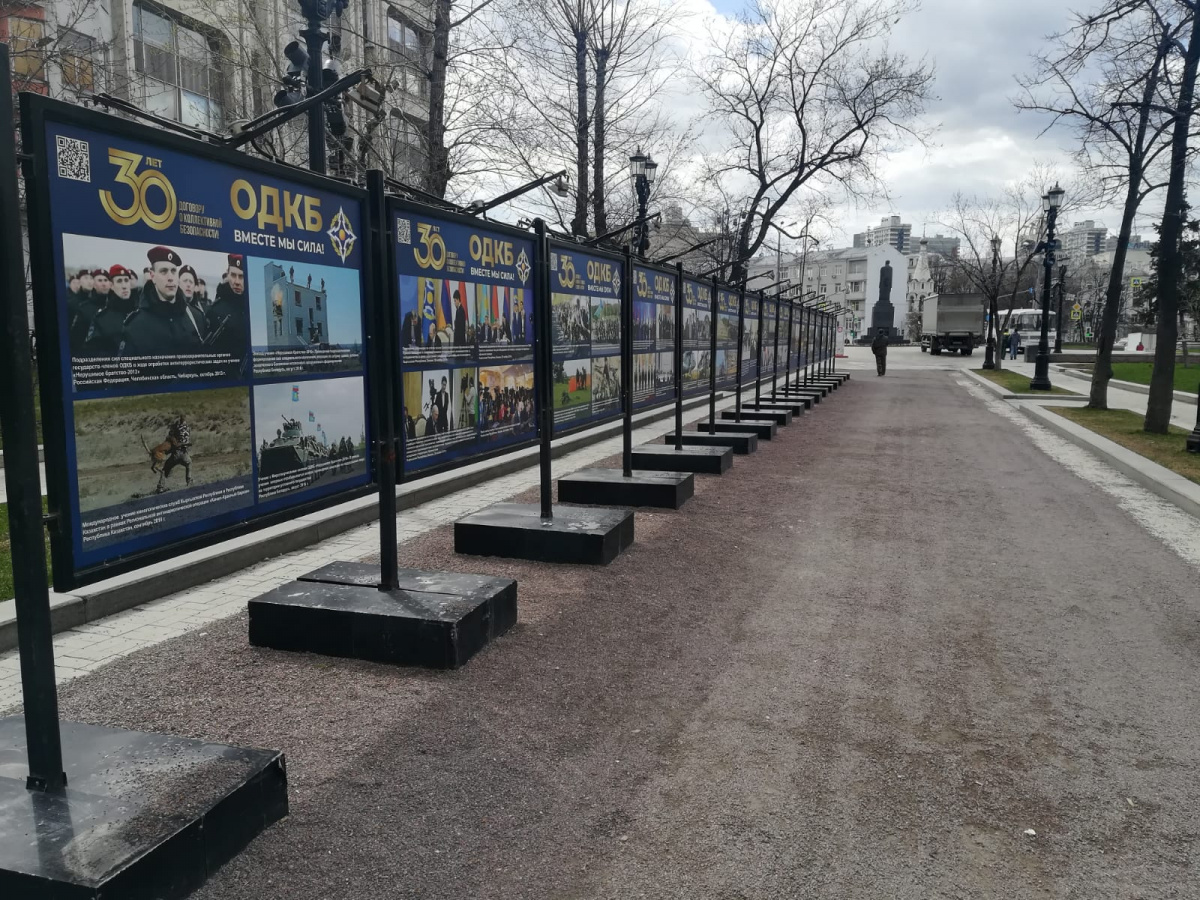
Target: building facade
(890,232)
(211,64)
(1082,240)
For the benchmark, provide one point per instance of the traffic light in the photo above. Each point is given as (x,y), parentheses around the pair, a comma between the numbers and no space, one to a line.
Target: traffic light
(293,81)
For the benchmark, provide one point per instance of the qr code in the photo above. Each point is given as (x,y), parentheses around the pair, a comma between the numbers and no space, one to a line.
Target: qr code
(74,159)
(403,231)
(553,262)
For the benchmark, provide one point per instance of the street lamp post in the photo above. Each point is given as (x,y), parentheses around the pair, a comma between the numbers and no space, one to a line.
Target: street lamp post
(643,169)
(1041,372)
(989,354)
(1058,319)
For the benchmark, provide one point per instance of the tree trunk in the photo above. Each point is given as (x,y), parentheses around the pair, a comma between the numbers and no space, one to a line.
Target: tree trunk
(598,211)
(579,222)
(1102,371)
(1170,257)
(437,171)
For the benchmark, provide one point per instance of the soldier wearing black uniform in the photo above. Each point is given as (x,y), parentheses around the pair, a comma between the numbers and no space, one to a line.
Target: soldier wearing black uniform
(163,324)
(91,298)
(73,295)
(227,315)
(104,337)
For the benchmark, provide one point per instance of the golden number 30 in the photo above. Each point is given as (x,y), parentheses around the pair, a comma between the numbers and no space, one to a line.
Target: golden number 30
(140,184)
(435,248)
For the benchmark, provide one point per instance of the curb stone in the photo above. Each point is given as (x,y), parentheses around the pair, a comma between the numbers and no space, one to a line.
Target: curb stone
(1159,480)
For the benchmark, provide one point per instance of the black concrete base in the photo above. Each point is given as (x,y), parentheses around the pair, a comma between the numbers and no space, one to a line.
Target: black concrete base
(706,460)
(813,388)
(610,487)
(576,534)
(143,816)
(740,442)
(438,620)
(804,402)
(812,395)
(763,429)
(793,405)
(779,417)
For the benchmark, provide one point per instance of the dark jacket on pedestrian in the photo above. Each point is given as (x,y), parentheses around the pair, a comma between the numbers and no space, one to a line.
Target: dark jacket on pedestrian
(879,346)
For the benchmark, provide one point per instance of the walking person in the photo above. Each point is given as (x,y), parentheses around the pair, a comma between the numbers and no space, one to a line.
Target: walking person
(1014,342)
(879,347)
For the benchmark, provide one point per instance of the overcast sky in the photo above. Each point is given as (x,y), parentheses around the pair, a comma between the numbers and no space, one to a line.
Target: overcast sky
(982,143)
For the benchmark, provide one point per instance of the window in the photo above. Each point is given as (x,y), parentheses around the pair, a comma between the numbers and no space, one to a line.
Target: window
(78,61)
(858,267)
(318,302)
(25,37)
(297,298)
(403,39)
(179,69)
(299,326)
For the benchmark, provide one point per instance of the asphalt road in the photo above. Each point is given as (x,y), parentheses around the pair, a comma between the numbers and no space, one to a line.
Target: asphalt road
(901,652)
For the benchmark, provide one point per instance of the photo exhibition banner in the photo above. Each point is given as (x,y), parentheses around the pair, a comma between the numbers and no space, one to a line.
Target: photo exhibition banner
(727,338)
(466,336)
(697,335)
(585,308)
(202,317)
(653,336)
(750,338)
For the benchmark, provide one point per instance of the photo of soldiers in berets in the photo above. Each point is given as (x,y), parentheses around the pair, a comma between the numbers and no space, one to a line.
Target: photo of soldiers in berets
(105,333)
(227,320)
(94,288)
(164,324)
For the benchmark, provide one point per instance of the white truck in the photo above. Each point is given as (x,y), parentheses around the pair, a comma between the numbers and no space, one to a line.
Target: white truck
(952,322)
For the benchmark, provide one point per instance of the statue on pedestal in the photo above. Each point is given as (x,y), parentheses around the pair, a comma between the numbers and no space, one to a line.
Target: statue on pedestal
(883,313)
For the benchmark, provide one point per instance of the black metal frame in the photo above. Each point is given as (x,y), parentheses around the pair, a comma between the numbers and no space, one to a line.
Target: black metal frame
(553,245)
(394,203)
(36,111)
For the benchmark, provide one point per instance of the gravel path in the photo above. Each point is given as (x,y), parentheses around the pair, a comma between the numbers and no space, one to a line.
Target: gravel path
(801,685)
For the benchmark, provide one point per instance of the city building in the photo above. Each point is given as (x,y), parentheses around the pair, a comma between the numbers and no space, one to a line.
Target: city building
(213,63)
(920,278)
(890,231)
(1081,240)
(1135,243)
(940,245)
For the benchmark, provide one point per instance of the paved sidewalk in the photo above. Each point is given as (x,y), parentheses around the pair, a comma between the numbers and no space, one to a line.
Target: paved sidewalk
(87,647)
(917,647)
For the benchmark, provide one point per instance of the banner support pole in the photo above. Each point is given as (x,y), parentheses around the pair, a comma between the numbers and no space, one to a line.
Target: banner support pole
(35,638)
(543,353)
(679,356)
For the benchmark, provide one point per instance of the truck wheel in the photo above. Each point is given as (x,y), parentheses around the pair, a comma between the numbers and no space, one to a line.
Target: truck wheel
(967,351)
(922,348)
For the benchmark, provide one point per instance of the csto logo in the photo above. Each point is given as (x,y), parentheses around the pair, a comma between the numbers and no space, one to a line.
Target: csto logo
(143,186)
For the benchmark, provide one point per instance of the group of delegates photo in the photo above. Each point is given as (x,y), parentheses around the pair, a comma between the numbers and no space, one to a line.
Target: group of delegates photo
(170,313)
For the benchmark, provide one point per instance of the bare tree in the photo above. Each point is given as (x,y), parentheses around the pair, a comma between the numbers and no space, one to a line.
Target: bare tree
(1015,218)
(1104,77)
(808,95)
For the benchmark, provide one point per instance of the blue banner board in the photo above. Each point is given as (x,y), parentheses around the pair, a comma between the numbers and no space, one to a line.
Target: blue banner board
(697,335)
(585,309)
(465,312)
(727,338)
(202,320)
(653,336)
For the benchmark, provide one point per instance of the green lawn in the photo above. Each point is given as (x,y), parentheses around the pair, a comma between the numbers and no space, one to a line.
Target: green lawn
(6,582)
(1139,373)
(1015,382)
(1125,428)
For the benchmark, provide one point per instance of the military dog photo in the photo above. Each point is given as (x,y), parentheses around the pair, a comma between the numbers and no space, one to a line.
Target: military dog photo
(154,461)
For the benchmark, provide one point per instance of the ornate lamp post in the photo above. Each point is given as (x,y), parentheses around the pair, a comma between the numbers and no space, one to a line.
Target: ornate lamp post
(1058,319)
(989,354)
(643,168)
(1041,372)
